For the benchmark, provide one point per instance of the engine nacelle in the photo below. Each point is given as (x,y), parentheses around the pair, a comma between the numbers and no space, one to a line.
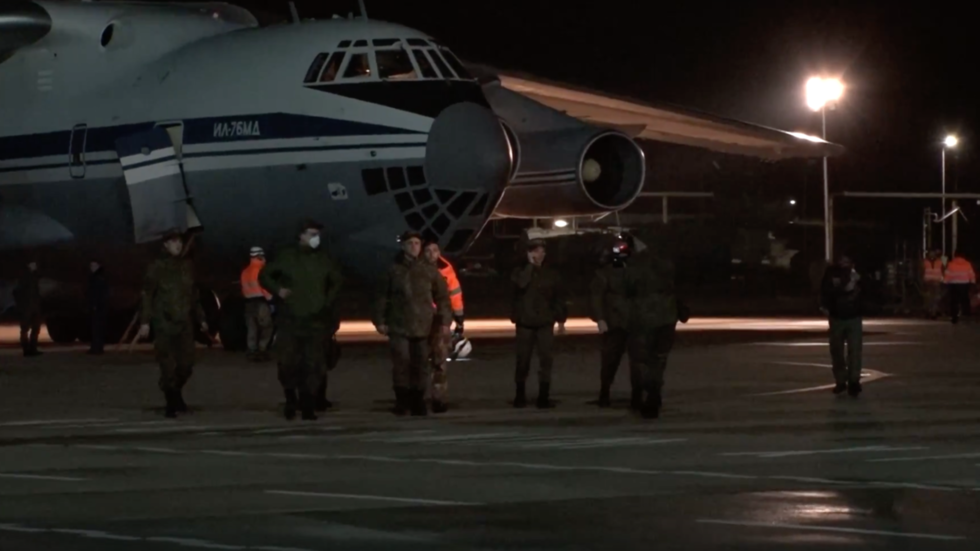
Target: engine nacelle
(572,172)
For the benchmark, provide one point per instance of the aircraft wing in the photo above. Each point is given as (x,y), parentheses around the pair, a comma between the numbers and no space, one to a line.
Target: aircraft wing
(666,123)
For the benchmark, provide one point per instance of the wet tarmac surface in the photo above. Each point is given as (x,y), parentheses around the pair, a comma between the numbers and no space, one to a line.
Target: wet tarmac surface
(752,452)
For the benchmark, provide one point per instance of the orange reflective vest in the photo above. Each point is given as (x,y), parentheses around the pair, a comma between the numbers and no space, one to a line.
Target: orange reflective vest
(250,281)
(932,271)
(959,271)
(455,291)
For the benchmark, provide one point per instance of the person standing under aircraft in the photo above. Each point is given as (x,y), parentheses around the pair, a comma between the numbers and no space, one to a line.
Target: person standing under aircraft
(840,300)
(171,304)
(308,282)
(959,278)
(27,296)
(439,340)
(539,302)
(404,313)
(98,302)
(610,311)
(258,311)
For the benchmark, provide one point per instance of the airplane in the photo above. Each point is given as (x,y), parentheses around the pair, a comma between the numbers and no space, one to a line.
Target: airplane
(122,121)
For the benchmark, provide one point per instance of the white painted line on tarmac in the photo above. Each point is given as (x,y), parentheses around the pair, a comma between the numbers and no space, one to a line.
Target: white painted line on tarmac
(867,376)
(925,458)
(809,479)
(413,501)
(275,548)
(97,447)
(837,529)
(614,442)
(105,425)
(794,453)
(36,423)
(157,450)
(190,542)
(449,438)
(296,455)
(42,477)
(380,458)
(714,475)
(95,534)
(228,453)
(21,529)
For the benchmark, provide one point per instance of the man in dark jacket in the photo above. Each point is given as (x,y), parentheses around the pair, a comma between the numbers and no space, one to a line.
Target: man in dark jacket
(27,295)
(610,311)
(172,305)
(840,300)
(539,302)
(403,312)
(98,302)
(308,282)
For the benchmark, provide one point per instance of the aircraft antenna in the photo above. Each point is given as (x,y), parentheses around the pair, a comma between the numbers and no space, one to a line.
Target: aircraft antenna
(360,3)
(294,13)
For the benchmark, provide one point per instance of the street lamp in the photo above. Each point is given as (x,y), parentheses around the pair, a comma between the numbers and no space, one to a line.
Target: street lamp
(821,92)
(948,143)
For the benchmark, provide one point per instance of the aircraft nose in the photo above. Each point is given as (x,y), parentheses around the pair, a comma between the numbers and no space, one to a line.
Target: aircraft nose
(468,149)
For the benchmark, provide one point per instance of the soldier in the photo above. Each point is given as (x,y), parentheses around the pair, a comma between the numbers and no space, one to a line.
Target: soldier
(170,303)
(610,311)
(404,313)
(841,300)
(654,313)
(27,295)
(440,341)
(308,282)
(539,303)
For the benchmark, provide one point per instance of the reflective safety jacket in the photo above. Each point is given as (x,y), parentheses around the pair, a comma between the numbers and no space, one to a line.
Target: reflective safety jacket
(452,283)
(959,271)
(250,281)
(932,271)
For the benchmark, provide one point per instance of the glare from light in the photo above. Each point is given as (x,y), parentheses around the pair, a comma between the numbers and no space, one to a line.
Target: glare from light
(792,201)
(806,137)
(951,141)
(561,223)
(821,91)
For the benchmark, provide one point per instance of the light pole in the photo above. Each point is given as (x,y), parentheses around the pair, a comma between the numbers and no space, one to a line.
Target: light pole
(949,143)
(821,92)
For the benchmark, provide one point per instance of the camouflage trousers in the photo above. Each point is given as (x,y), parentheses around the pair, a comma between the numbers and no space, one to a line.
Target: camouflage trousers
(529,339)
(650,348)
(615,343)
(174,348)
(30,326)
(302,362)
(409,358)
(439,346)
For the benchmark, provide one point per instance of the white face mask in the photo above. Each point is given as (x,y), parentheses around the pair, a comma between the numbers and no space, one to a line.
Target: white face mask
(314,241)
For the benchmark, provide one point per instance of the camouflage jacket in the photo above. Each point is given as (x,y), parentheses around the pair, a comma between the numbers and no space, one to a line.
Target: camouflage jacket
(314,279)
(539,298)
(608,297)
(170,296)
(650,292)
(406,295)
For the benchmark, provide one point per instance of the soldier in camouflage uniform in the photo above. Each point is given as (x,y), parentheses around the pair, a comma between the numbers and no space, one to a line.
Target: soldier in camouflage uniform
(308,282)
(654,313)
(27,295)
(171,304)
(539,302)
(403,311)
(610,311)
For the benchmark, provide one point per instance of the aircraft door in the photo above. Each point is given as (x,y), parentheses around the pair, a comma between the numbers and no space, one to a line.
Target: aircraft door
(76,151)
(154,179)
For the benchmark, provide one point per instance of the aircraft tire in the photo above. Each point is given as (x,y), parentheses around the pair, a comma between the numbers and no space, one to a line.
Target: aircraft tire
(232,328)
(63,329)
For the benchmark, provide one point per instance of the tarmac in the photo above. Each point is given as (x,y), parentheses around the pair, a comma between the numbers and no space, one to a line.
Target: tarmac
(752,451)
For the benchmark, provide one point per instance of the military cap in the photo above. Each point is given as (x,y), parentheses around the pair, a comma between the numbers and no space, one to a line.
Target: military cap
(310,224)
(409,234)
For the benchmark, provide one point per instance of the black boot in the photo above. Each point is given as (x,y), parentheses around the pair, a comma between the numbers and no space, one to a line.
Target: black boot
(854,388)
(438,406)
(306,406)
(544,396)
(170,410)
(419,409)
(322,404)
(651,408)
(520,397)
(401,401)
(636,400)
(604,400)
(291,404)
(839,388)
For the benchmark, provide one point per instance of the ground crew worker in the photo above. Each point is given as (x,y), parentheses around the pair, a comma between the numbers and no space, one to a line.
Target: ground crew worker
(959,278)
(439,341)
(539,302)
(653,315)
(27,296)
(98,302)
(840,299)
(308,282)
(258,311)
(932,283)
(610,311)
(171,304)
(404,313)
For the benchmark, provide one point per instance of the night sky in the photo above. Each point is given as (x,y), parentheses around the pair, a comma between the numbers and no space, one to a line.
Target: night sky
(909,76)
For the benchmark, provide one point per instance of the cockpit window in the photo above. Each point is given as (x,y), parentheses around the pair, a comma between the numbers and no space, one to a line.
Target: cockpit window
(332,67)
(344,44)
(440,64)
(456,64)
(417,42)
(384,42)
(315,67)
(360,43)
(358,67)
(424,64)
(395,65)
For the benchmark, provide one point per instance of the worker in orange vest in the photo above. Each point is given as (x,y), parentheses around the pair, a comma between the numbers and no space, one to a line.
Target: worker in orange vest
(932,283)
(959,278)
(440,341)
(258,312)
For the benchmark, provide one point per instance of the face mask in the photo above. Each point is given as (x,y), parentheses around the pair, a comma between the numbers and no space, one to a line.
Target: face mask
(314,241)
